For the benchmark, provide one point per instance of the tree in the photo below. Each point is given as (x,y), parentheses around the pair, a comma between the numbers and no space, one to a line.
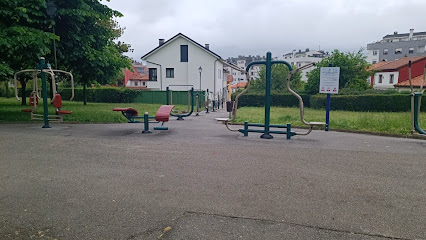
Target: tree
(87,32)
(23,38)
(278,79)
(353,71)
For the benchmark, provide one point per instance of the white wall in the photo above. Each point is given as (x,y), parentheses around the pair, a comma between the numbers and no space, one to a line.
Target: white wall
(185,72)
(385,80)
(371,58)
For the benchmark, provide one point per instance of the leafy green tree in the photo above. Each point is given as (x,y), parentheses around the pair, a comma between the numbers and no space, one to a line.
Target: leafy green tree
(353,71)
(23,37)
(278,79)
(87,32)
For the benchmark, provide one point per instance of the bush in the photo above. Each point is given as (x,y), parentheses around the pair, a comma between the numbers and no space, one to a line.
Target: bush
(366,103)
(277,99)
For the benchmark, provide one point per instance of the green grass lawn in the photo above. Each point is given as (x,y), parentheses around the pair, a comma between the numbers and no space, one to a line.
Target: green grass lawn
(373,122)
(10,111)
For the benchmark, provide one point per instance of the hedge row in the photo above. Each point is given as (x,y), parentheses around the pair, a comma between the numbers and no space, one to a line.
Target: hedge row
(361,103)
(364,103)
(279,100)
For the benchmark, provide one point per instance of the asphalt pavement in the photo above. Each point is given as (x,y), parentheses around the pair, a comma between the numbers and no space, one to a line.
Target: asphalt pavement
(200,181)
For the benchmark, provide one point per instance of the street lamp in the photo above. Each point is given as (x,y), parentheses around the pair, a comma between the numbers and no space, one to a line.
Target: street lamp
(51,11)
(200,70)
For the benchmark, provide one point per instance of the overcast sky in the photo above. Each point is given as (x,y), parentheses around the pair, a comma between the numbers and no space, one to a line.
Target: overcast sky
(253,27)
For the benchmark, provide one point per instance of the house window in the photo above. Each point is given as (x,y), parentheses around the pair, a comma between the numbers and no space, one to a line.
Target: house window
(170,72)
(385,51)
(152,74)
(252,73)
(398,50)
(391,78)
(374,62)
(421,49)
(411,50)
(143,83)
(136,83)
(184,53)
(374,52)
(380,78)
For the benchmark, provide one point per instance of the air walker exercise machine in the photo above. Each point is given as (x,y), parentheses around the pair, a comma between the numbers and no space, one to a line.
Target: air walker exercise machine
(169,100)
(266,125)
(416,102)
(44,69)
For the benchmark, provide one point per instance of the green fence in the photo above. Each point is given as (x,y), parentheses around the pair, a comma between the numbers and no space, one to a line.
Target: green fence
(123,95)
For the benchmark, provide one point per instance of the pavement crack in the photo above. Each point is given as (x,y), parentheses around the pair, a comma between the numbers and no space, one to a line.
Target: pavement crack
(298,225)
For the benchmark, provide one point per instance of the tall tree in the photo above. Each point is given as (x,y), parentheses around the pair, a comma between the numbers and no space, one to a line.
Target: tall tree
(278,79)
(87,31)
(353,71)
(23,37)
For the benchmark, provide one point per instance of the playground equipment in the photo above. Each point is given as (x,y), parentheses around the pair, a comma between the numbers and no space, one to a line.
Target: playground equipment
(169,99)
(266,125)
(44,69)
(162,116)
(416,102)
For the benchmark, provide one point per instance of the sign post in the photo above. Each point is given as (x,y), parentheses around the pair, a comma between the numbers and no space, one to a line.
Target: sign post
(329,83)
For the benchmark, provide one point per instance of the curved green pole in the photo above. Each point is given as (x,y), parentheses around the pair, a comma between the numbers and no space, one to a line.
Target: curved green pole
(417,97)
(268,64)
(181,116)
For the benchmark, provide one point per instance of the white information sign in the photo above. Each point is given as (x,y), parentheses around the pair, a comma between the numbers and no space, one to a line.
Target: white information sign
(329,80)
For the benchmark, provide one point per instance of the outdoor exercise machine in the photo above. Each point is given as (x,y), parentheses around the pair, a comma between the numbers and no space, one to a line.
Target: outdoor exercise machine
(169,100)
(266,125)
(44,69)
(162,116)
(416,102)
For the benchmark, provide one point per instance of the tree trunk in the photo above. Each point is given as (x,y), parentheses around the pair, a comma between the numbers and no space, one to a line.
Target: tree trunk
(84,94)
(23,92)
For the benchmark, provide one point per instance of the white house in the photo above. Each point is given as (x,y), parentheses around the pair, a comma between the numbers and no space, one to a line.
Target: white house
(300,59)
(177,62)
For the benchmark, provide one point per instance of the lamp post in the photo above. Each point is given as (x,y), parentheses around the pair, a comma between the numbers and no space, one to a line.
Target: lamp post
(200,70)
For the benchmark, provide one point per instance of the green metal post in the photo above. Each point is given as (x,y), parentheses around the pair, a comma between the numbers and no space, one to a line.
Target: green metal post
(288,131)
(266,134)
(167,96)
(146,123)
(207,107)
(417,96)
(42,65)
(245,129)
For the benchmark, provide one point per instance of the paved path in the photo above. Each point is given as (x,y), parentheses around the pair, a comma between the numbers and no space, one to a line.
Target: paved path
(109,181)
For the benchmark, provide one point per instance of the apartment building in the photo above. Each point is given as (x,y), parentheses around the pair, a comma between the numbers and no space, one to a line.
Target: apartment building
(397,45)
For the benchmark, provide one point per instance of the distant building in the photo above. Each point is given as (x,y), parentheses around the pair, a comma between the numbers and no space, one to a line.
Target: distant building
(395,46)
(395,74)
(299,59)
(136,78)
(241,62)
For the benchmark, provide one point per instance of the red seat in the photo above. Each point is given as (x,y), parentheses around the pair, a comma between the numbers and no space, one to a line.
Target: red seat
(131,111)
(57,103)
(63,112)
(163,113)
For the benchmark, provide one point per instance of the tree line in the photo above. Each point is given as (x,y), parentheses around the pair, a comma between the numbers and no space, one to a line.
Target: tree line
(85,31)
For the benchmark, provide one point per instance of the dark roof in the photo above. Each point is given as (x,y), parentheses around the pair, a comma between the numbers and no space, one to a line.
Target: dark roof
(176,36)
(404,35)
